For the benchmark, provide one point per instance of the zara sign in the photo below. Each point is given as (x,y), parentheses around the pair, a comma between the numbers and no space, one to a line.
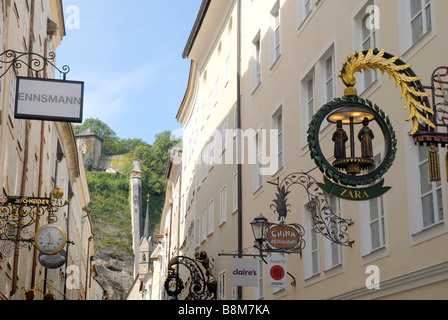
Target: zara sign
(49,99)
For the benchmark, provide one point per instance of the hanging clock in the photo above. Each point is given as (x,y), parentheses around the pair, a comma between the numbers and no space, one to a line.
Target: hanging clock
(50,239)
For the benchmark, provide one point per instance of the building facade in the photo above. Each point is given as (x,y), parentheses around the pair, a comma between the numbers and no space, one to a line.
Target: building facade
(266,68)
(36,158)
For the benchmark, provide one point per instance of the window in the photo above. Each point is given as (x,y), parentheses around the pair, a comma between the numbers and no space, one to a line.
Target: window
(216,92)
(426,199)
(373,222)
(222,286)
(365,38)
(197,232)
(430,193)
(307,105)
(333,251)
(275,34)
(211,216)
(304,7)
(312,249)
(420,18)
(235,192)
(211,152)
(227,72)
(224,128)
(257,167)
(258,292)
(256,62)
(415,23)
(329,79)
(323,75)
(277,123)
(203,225)
(310,99)
(222,205)
(209,105)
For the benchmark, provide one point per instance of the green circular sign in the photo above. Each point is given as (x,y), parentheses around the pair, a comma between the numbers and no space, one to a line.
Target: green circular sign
(329,169)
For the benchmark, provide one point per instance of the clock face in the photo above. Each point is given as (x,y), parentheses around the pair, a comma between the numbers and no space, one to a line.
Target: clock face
(50,239)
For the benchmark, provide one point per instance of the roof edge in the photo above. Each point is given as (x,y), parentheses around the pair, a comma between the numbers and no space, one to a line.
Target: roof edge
(196,27)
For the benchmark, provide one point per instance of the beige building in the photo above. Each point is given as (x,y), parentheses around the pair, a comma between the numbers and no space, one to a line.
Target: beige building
(278,62)
(37,157)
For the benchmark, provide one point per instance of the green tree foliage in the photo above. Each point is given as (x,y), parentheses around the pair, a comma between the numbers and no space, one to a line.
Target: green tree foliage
(112,145)
(109,193)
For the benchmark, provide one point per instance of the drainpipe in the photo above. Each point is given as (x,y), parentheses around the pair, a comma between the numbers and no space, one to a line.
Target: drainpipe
(239,142)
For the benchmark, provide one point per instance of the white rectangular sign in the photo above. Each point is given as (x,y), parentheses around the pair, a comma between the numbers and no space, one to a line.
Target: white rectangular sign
(49,99)
(277,273)
(244,272)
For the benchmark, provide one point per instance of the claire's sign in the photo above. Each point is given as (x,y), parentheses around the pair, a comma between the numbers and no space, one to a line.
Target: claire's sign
(49,99)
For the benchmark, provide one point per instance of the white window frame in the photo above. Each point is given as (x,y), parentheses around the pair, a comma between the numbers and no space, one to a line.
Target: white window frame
(211,216)
(407,46)
(255,61)
(224,127)
(367,222)
(360,41)
(203,224)
(306,101)
(327,78)
(216,92)
(222,286)
(223,205)
(275,47)
(305,8)
(332,249)
(278,124)
(227,72)
(419,232)
(197,232)
(258,291)
(311,268)
(258,156)
(235,192)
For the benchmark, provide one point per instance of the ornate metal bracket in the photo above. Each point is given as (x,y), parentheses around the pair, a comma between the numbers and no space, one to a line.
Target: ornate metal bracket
(201,283)
(17,214)
(34,61)
(325,221)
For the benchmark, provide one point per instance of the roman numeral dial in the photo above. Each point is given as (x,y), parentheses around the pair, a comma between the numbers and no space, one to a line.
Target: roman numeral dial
(50,239)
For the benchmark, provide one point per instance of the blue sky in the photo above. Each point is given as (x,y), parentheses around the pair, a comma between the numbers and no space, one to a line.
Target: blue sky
(129,54)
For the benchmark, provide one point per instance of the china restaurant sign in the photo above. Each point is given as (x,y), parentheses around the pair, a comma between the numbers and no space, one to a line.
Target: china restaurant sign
(49,99)
(283,237)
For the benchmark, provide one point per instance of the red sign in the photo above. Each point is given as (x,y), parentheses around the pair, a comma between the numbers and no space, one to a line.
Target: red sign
(284,237)
(277,273)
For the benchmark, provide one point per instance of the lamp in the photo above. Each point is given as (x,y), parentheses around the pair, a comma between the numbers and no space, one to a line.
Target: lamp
(350,113)
(258,225)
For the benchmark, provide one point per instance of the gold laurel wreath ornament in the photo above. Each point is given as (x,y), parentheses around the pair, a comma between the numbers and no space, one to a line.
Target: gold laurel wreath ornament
(370,61)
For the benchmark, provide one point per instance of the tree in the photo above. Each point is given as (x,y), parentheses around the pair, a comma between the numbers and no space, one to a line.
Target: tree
(100,128)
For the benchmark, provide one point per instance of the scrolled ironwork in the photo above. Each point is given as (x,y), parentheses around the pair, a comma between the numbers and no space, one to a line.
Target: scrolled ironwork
(200,284)
(18,214)
(325,221)
(34,61)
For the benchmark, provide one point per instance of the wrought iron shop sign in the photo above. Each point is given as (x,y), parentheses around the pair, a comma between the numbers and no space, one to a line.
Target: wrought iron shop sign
(283,237)
(200,283)
(18,214)
(48,99)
